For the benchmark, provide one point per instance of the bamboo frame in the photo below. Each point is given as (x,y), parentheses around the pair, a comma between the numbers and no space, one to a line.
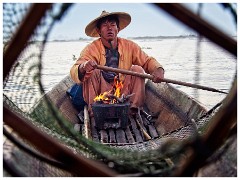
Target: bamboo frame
(202,27)
(23,34)
(226,118)
(75,163)
(28,131)
(89,167)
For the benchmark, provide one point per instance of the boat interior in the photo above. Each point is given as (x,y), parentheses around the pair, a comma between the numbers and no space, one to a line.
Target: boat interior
(166,109)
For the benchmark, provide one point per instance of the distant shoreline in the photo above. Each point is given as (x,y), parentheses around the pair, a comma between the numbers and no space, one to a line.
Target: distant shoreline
(133,38)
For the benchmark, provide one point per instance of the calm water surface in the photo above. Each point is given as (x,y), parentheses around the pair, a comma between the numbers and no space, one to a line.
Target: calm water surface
(184,59)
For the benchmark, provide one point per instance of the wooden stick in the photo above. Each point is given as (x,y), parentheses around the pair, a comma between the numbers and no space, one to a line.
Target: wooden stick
(22,35)
(148,76)
(143,131)
(141,125)
(58,151)
(86,130)
(203,27)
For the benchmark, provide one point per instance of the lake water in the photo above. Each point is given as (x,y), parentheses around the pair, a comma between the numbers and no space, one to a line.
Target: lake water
(184,59)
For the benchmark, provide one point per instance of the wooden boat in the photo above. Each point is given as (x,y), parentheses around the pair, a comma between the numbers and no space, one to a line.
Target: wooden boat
(174,112)
(172,108)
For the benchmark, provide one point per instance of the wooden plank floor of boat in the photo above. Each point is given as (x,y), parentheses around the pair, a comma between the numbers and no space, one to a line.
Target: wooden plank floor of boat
(132,134)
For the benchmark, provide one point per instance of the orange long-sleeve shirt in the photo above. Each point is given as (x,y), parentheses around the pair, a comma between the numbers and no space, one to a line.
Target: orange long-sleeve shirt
(129,54)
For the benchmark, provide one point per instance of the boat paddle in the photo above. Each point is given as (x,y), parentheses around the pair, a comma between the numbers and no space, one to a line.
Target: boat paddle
(148,76)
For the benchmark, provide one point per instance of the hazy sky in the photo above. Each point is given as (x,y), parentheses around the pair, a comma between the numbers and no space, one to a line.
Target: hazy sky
(147,20)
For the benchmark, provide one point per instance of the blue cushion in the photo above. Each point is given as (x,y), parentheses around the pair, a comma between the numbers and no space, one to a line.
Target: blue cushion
(76,94)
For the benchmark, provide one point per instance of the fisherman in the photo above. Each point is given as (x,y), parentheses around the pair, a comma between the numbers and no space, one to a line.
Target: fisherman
(113,51)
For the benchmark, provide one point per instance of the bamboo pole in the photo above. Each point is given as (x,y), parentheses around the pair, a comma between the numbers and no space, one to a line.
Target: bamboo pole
(148,76)
(220,127)
(23,34)
(46,144)
(202,27)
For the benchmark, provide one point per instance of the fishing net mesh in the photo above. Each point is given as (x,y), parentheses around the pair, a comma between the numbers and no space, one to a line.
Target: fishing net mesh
(22,89)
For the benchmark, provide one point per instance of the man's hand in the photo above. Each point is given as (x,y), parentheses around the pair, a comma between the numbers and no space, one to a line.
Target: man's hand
(87,66)
(158,75)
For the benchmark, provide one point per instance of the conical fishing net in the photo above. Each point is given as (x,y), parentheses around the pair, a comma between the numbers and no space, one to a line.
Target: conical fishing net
(22,88)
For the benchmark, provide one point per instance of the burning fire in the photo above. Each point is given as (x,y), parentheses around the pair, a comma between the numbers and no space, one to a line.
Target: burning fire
(118,85)
(110,97)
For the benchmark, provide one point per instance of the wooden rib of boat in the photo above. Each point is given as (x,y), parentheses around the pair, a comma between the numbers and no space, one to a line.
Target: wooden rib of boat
(171,109)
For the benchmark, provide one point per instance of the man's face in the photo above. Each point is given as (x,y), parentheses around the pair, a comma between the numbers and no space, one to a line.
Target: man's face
(108,30)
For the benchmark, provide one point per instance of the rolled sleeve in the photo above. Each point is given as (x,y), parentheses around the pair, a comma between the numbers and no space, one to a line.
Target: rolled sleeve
(93,51)
(74,73)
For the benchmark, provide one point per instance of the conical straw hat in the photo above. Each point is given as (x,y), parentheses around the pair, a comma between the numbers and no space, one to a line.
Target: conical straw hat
(124,21)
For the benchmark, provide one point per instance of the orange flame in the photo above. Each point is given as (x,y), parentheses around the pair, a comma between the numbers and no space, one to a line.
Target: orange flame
(102,97)
(116,91)
(118,85)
